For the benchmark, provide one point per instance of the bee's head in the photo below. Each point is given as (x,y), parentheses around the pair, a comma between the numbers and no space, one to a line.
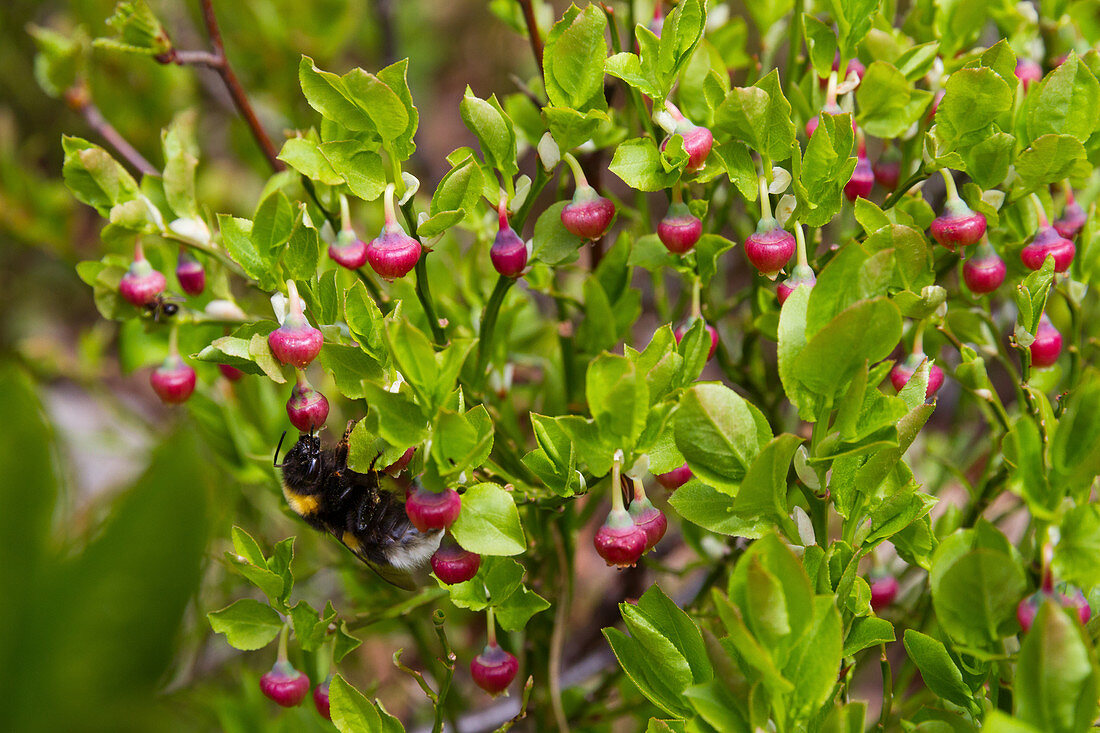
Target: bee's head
(302,463)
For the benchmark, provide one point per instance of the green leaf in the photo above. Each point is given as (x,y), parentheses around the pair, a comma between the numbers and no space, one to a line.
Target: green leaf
(327,93)
(888,105)
(989,161)
(763,491)
(94,177)
(60,60)
(493,128)
(459,189)
(247,624)
(821,175)
(571,128)
(772,590)
(303,249)
(712,509)
(573,60)
(936,668)
(866,332)
(1075,447)
(618,399)
(514,613)
(236,238)
(353,713)
(489,522)
(641,667)
(975,594)
(272,224)
(1077,554)
(897,512)
(496,581)
(1051,158)
(792,340)
(853,20)
(364,320)
(350,367)
(716,704)
(866,632)
(759,116)
(821,43)
(304,155)
(395,76)
(680,35)
(1031,297)
(180,150)
(1067,102)
(639,164)
(385,109)
(400,419)
(973,99)
(136,29)
(756,656)
(739,167)
(997,722)
(717,433)
(812,667)
(674,624)
(358,166)
(1056,686)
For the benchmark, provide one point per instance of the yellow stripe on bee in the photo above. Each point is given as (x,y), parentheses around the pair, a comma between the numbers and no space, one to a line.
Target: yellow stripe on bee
(351,541)
(302,504)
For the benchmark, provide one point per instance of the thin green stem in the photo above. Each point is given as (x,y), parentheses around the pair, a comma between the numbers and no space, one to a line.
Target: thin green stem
(449,660)
(579,179)
(1040,210)
(949,184)
(903,189)
(800,240)
(616,485)
(490,627)
(794,41)
(887,688)
(419,677)
(489,322)
(565,341)
(765,200)
(561,621)
(283,634)
(423,289)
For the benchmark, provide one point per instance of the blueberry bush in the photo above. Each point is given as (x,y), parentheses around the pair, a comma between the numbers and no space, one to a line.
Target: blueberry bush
(740,357)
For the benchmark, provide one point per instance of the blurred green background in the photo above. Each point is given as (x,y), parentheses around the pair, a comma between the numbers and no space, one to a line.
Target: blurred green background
(111,515)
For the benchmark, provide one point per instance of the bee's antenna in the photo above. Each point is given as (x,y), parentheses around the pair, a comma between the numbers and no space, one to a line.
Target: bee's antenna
(275,461)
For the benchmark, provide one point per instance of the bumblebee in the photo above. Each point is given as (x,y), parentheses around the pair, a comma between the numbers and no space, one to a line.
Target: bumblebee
(352,507)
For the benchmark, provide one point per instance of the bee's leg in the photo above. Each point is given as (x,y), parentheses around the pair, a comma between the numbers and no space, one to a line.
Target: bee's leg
(341,448)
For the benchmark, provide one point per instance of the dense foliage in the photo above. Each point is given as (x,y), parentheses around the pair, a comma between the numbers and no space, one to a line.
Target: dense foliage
(785,309)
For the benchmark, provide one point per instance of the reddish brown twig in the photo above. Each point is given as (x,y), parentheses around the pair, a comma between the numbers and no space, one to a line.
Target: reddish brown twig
(532,31)
(218,61)
(79,99)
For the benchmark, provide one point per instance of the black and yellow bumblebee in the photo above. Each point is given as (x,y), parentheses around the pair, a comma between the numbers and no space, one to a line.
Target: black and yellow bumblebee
(366,518)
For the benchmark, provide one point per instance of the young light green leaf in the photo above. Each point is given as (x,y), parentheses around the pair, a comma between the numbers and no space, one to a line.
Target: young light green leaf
(247,624)
(489,522)
(936,667)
